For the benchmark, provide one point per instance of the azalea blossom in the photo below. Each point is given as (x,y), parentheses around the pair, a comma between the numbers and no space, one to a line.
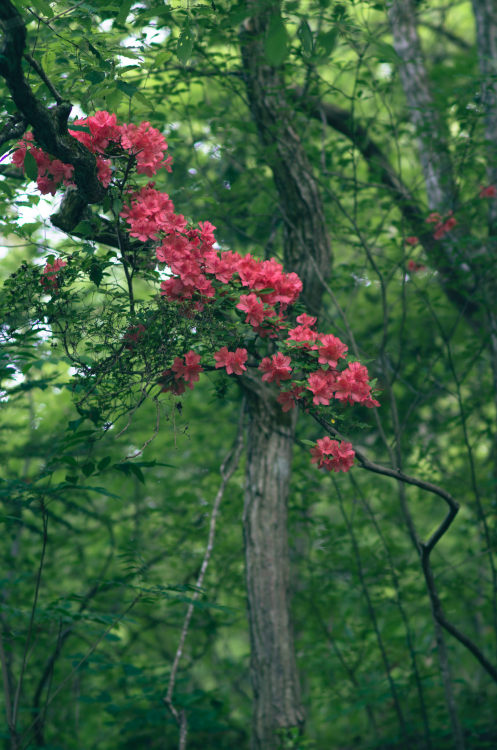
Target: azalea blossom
(331,349)
(276,368)
(189,369)
(233,361)
(331,455)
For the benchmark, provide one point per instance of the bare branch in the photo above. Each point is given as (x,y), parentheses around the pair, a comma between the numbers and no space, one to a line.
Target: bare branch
(228,468)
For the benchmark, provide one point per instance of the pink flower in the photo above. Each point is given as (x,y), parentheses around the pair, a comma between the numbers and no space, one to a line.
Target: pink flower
(104,172)
(332,349)
(487,192)
(189,369)
(353,386)
(302,335)
(342,455)
(306,320)
(322,384)
(252,305)
(414,267)
(288,399)
(233,361)
(276,368)
(434,218)
(148,145)
(411,240)
(50,273)
(441,226)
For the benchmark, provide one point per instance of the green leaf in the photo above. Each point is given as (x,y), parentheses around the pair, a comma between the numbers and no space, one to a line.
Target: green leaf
(40,5)
(327,41)
(84,228)
(305,36)
(127,88)
(185,45)
(276,46)
(96,273)
(82,128)
(30,166)
(94,76)
(124,11)
(137,472)
(104,462)
(386,53)
(88,468)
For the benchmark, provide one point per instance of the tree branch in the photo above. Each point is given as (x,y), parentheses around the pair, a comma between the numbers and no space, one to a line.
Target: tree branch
(49,125)
(424,548)
(228,468)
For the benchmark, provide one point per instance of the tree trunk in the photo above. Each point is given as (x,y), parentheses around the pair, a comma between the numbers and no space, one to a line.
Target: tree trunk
(273,669)
(277,711)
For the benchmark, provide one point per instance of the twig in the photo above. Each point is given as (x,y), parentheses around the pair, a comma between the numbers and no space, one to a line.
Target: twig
(154,434)
(46,80)
(424,548)
(227,469)
(15,707)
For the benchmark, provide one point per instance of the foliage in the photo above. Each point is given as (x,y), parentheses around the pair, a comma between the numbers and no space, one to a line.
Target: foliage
(106,507)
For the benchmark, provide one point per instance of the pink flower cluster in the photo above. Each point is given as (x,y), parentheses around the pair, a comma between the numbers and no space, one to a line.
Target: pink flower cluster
(332,455)
(51,172)
(145,143)
(50,280)
(442,226)
(199,272)
(490,191)
(233,361)
(183,372)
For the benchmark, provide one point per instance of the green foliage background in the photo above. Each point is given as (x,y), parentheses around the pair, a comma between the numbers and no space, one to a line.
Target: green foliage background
(124,539)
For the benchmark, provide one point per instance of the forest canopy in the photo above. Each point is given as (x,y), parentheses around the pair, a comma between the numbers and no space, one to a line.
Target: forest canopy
(248,374)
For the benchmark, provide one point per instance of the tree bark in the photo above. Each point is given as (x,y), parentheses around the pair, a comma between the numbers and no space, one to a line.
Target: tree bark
(485,13)
(277,710)
(274,673)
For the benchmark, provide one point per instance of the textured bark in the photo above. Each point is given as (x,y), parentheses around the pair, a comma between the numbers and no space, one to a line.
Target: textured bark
(277,708)
(485,13)
(430,128)
(273,668)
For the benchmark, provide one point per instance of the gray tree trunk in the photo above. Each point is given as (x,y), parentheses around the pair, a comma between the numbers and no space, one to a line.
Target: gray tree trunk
(277,709)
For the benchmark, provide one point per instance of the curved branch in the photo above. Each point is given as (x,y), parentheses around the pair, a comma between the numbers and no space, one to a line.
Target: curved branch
(424,548)
(453,282)
(49,125)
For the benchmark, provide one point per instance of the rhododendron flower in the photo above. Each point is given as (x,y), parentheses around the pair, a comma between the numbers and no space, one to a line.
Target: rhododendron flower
(411,240)
(168,383)
(276,368)
(306,320)
(104,172)
(252,305)
(331,349)
(49,278)
(288,399)
(148,145)
(189,369)
(233,361)
(134,334)
(414,267)
(342,454)
(488,192)
(302,335)
(352,385)
(322,384)
(434,218)
(441,226)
